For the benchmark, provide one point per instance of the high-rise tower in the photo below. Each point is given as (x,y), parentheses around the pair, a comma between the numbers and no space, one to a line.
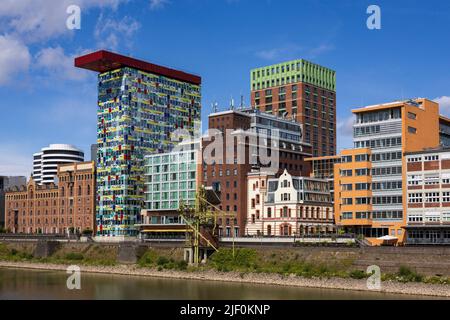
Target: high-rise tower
(303,91)
(143,109)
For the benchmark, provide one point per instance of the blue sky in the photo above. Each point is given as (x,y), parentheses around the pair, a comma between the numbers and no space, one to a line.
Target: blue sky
(44,99)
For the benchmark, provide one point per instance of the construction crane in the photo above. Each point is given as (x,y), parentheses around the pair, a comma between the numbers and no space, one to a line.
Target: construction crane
(201,217)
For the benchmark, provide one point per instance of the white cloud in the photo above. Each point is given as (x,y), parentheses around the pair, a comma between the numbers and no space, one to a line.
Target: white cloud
(158,4)
(291,51)
(14,58)
(108,31)
(444,105)
(37,20)
(345,126)
(59,65)
(277,53)
(15,162)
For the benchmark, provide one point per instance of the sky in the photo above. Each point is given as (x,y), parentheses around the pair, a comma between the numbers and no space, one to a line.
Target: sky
(44,99)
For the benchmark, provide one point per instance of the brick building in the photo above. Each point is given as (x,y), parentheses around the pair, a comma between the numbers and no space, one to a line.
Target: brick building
(54,209)
(303,91)
(428,211)
(227,174)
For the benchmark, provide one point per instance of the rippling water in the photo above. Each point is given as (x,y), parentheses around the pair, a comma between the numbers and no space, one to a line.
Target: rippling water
(31,284)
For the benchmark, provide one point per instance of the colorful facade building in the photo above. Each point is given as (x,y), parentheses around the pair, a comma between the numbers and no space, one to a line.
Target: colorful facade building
(238,131)
(171,181)
(370,180)
(428,197)
(303,91)
(288,205)
(54,209)
(143,109)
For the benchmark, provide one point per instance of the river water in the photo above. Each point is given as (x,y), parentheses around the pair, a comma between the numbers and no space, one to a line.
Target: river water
(34,284)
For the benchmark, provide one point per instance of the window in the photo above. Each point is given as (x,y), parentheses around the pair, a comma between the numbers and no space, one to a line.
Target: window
(415,198)
(431,158)
(347,215)
(346,187)
(415,218)
(414,180)
(346,173)
(361,157)
(362,186)
(361,172)
(445,196)
(347,201)
(346,159)
(432,197)
(412,115)
(431,179)
(412,130)
(362,200)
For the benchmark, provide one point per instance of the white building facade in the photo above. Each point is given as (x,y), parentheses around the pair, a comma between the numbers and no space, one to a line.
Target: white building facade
(288,205)
(45,162)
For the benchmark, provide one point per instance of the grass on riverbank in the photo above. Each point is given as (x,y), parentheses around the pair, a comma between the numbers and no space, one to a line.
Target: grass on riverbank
(248,260)
(91,255)
(241,260)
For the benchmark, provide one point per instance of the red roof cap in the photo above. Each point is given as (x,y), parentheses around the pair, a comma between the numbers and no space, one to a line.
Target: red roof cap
(102,61)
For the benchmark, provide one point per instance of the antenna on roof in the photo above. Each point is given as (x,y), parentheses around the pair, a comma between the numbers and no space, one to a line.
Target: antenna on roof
(242,101)
(214,107)
(232,103)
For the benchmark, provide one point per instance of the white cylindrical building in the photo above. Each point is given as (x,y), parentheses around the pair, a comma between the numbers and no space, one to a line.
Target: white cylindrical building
(45,163)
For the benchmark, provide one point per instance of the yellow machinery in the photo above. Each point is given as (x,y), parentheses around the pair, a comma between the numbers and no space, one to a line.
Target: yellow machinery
(203,222)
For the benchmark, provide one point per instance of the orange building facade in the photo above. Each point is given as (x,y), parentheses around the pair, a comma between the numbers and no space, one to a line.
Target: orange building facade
(54,209)
(370,179)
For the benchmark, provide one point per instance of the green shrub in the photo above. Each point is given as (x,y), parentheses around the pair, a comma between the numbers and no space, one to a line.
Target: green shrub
(242,260)
(357,274)
(405,274)
(162,261)
(148,259)
(182,265)
(74,256)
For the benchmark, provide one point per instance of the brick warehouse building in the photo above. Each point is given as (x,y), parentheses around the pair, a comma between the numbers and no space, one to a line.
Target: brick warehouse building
(229,180)
(53,209)
(303,91)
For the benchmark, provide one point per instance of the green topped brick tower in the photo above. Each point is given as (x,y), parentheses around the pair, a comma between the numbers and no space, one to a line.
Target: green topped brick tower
(301,90)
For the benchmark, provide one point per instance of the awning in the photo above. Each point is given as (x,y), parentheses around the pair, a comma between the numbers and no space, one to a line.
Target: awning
(387,238)
(166,230)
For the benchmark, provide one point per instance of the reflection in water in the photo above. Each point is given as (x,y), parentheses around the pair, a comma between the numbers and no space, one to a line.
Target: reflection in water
(31,284)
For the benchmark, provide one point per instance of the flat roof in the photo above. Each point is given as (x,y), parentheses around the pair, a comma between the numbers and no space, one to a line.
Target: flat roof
(103,61)
(388,105)
(428,150)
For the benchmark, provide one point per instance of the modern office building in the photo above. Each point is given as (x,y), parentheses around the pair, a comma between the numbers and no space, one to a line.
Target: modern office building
(288,205)
(234,155)
(171,181)
(301,90)
(54,209)
(370,180)
(142,109)
(5,184)
(428,196)
(45,162)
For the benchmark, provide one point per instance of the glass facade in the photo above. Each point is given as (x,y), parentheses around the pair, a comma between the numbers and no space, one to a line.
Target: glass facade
(171,179)
(139,113)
